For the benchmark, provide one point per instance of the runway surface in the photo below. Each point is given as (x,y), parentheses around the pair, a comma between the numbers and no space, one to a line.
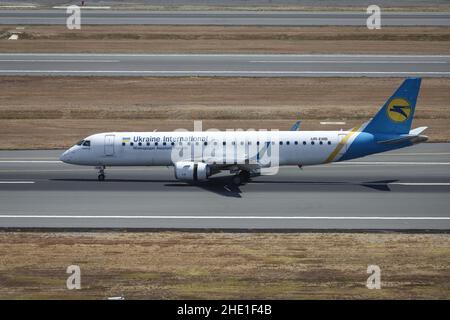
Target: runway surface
(403,189)
(263,18)
(245,65)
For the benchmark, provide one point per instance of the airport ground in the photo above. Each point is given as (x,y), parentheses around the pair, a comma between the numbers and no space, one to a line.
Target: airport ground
(180,265)
(54,112)
(225,39)
(247,5)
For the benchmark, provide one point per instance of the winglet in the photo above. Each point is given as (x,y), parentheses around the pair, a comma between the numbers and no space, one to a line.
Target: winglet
(295,126)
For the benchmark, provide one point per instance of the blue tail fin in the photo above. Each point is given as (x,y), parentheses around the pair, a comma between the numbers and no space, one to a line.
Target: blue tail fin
(397,113)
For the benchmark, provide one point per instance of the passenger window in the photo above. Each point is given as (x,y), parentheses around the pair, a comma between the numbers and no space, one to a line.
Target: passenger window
(206,143)
(156,143)
(131,143)
(173,143)
(123,143)
(287,142)
(329,142)
(148,144)
(296,142)
(304,142)
(281,143)
(312,142)
(140,144)
(320,142)
(164,143)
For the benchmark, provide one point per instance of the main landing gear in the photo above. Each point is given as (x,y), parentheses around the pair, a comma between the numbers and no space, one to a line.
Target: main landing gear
(101,173)
(241,178)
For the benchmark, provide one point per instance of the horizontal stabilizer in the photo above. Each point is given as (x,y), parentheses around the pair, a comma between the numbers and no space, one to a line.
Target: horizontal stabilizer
(404,138)
(418,131)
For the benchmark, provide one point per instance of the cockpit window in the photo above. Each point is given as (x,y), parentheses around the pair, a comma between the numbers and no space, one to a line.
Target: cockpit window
(87,143)
(79,143)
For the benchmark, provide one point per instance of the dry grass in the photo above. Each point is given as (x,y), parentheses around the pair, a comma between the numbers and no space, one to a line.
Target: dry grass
(53,112)
(223,265)
(227,39)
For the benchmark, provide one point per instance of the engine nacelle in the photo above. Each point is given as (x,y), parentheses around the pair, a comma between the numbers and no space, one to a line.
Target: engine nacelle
(192,171)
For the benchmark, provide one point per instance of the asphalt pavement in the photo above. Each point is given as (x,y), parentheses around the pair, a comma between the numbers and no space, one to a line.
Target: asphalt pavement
(406,189)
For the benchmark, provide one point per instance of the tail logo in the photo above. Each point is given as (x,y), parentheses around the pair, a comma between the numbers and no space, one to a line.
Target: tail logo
(399,110)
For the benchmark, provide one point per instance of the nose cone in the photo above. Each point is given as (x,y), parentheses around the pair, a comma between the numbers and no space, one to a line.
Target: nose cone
(65,157)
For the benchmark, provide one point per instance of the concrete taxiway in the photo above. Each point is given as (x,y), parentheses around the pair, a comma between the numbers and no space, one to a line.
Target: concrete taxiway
(248,65)
(403,189)
(235,18)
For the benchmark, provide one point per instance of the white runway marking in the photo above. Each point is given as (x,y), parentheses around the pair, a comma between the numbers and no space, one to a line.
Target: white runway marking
(226,55)
(390,163)
(18,182)
(18,6)
(85,7)
(346,61)
(415,154)
(30,161)
(421,183)
(47,60)
(219,217)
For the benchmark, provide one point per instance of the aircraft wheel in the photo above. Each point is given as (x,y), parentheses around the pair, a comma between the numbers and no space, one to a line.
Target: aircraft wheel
(101,177)
(236,180)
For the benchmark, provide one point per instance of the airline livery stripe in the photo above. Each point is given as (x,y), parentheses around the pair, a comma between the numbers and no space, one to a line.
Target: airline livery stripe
(341,144)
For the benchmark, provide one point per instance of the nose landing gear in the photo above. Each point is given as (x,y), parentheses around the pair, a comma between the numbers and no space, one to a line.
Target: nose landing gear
(101,173)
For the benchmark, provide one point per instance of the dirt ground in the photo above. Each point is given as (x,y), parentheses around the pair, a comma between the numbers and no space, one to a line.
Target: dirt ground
(173,265)
(227,39)
(55,112)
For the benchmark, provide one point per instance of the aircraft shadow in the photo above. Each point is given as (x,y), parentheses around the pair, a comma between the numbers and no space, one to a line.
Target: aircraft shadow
(381,185)
(224,187)
(219,185)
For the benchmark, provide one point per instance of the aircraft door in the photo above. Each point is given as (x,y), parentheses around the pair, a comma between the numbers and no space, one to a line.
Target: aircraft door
(109,145)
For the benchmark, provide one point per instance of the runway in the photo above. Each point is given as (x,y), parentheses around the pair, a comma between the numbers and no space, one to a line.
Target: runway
(242,65)
(234,18)
(403,190)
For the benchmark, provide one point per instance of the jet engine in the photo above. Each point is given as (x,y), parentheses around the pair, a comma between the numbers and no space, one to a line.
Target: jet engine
(192,171)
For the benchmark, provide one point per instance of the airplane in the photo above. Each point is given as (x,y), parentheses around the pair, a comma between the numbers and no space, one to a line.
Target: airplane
(198,155)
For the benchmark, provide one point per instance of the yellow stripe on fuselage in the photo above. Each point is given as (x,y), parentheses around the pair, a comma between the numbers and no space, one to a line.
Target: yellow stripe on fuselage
(341,144)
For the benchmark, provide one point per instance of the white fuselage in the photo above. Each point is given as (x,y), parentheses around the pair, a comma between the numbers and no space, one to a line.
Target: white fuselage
(157,148)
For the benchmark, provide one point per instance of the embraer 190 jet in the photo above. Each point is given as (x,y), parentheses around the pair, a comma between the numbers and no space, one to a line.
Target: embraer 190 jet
(198,155)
